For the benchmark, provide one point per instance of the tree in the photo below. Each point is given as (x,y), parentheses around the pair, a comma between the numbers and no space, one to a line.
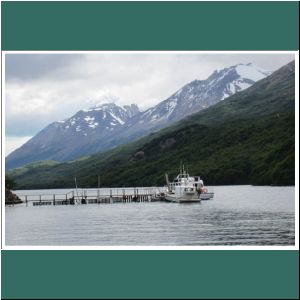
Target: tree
(9,182)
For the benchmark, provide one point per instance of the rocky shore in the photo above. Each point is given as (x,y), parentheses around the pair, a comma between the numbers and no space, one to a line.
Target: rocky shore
(11,198)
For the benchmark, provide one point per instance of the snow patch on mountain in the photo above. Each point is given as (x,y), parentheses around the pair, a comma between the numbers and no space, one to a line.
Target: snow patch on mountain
(89,119)
(251,72)
(117,118)
(93,125)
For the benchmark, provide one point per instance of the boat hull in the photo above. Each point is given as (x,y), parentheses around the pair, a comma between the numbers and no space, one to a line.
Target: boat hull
(182,199)
(206,196)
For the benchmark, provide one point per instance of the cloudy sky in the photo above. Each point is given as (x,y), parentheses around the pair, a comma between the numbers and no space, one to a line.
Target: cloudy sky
(42,88)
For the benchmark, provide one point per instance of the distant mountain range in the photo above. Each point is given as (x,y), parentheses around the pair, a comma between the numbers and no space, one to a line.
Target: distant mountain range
(105,126)
(249,138)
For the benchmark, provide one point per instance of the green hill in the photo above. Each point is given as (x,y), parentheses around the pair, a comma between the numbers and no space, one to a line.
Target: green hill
(38,164)
(248,138)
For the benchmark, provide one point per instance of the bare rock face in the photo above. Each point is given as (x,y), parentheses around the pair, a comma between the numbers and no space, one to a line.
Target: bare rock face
(131,110)
(139,155)
(11,198)
(167,144)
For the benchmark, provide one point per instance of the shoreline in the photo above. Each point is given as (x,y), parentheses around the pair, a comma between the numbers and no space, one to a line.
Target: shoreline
(120,187)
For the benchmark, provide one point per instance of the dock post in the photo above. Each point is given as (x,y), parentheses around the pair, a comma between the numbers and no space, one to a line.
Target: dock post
(110,196)
(53,199)
(40,198)
(26,201)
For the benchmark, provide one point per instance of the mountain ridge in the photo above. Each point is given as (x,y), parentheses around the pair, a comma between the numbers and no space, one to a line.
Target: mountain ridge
(248,138)
(105,126)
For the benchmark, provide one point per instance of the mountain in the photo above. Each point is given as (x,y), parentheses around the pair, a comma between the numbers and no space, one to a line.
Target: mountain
(83,133)
(200,94)
(249,138)
(108,125)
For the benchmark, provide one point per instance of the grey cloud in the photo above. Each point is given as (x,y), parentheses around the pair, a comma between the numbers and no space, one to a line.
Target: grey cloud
(42,88)
(35,66)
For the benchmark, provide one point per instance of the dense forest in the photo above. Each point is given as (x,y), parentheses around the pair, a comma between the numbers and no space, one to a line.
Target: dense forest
(249,138)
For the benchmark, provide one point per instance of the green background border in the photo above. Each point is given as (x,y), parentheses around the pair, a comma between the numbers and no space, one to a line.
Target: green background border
(150,274)
(150,26)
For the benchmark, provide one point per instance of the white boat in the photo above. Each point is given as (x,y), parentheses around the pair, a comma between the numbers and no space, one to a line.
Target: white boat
(186,188)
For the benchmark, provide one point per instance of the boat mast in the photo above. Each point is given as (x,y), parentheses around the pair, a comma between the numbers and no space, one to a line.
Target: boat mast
(76,189)
(167,180)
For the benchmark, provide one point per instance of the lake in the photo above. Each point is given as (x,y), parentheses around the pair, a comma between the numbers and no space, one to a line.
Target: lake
(238,215)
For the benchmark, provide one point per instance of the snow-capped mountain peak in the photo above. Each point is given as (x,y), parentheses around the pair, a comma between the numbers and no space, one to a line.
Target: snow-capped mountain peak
(111,108)
(236,78)
(200,94)
(100,118)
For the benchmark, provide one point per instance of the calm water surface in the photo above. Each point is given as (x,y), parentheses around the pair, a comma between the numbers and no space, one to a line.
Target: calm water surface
(238,215)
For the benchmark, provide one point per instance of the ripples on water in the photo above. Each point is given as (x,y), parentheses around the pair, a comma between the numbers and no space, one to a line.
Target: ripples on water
(238,215)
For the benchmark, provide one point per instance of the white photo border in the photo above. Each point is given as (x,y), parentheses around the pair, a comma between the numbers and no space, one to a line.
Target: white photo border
(5,247)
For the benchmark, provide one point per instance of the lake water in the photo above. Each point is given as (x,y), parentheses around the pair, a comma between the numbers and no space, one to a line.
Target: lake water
(238,215)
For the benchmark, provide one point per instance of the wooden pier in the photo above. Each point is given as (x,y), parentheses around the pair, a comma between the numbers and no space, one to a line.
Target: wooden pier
(95,196)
